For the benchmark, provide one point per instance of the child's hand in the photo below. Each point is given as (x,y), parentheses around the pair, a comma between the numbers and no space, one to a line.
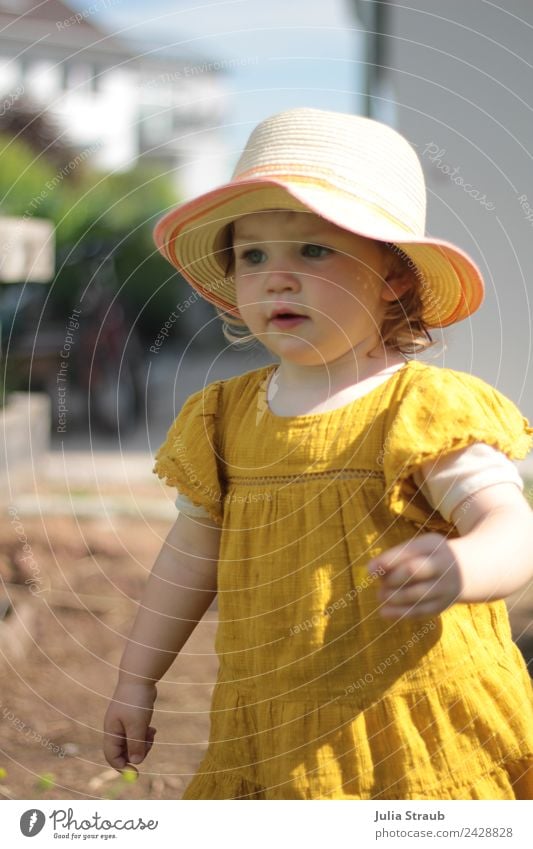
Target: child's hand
(128,737)
(418,577)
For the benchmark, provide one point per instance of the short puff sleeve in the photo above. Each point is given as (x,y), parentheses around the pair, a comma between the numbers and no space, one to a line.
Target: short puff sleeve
(188,458)
(442,411)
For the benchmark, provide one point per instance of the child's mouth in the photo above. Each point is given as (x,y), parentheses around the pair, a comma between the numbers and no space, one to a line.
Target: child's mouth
(287,320)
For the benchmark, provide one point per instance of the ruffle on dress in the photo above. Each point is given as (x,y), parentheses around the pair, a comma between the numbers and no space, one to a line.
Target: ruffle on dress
(419,745)
(189,457)
(449,411)
(513,780)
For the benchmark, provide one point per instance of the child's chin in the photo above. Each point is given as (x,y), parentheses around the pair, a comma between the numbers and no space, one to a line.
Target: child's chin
(298,351)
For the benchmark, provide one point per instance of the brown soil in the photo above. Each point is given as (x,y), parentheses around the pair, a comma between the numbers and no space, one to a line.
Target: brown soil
(90,572)
(53,696)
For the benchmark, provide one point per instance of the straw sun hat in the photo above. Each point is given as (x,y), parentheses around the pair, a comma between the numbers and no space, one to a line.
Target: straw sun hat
(355,172)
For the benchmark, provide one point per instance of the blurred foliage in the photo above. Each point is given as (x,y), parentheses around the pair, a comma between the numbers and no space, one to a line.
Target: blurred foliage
(116,211)
(38,130)
(44,782)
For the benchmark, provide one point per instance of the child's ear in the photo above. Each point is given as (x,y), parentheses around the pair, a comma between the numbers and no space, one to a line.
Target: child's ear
(396,284)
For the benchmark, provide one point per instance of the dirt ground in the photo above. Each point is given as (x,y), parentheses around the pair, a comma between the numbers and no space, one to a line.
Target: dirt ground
(54,693)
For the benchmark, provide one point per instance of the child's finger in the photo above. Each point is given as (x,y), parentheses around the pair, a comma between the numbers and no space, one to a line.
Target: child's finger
(391,559)
(422,591)
(426,608)
(138,736)
(131,768)
(150,734)
(412,571)
(115,749)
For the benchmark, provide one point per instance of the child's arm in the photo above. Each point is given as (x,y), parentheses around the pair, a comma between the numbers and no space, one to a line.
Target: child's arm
(491,559)
(181,587)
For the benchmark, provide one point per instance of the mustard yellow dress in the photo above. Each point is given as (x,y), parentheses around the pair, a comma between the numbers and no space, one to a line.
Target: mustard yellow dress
(317,696)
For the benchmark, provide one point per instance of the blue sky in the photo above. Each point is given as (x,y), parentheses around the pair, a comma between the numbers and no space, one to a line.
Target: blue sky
(282,54)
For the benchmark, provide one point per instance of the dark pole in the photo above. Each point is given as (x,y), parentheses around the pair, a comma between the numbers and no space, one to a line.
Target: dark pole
(373,16)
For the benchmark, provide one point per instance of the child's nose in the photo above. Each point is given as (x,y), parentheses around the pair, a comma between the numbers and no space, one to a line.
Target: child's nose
(281,279)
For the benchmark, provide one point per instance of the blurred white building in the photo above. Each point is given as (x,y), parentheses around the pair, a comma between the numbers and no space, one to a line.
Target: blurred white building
(456,81)
(110,98)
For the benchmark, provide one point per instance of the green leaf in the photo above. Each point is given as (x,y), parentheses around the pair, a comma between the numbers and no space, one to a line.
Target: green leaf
(46,781)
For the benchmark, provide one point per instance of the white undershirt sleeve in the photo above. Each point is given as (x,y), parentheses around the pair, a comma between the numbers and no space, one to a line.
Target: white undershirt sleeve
(449,480)
(186,506)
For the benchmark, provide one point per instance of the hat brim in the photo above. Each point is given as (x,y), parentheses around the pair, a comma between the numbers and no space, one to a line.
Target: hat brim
(190,238)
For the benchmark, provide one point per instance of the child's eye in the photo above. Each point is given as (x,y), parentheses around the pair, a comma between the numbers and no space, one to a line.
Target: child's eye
(253,256)
(315,251)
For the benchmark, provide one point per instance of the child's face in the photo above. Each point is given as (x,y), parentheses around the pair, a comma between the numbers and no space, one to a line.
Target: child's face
(333,279)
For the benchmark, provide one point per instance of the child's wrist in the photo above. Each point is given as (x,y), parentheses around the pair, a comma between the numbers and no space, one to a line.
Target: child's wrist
(477,587)
(130,679)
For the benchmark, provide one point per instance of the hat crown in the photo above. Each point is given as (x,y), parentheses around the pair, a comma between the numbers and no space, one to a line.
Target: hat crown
(355,154)
(354,172)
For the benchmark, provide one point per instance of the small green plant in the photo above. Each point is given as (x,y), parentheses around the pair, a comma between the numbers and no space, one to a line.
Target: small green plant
(45,782)
(128,775)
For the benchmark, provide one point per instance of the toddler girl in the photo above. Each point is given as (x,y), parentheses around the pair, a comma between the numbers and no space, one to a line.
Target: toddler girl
(357,510)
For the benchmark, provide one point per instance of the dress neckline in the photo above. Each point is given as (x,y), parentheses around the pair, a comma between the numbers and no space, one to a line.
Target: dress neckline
(336,410)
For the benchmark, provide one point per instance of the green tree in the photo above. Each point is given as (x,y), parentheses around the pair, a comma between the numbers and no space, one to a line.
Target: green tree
(118,210)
